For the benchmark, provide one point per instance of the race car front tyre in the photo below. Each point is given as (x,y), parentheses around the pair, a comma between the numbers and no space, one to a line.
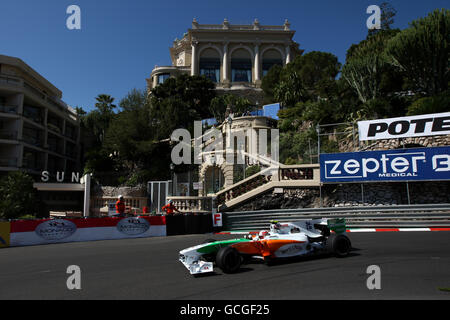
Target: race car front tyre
(228,259)
(339,245)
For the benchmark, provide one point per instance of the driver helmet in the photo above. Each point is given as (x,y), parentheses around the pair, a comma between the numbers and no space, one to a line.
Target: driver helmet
(275,225)
(262,234)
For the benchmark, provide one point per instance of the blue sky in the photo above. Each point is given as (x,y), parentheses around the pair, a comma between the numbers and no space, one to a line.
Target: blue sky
(121,41)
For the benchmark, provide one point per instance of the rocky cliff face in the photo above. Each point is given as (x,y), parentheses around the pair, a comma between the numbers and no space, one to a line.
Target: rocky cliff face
(289,199)
(344,195)
(348,145)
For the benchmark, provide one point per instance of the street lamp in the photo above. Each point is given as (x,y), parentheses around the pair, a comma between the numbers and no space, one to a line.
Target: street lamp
(213,161)
(172,168)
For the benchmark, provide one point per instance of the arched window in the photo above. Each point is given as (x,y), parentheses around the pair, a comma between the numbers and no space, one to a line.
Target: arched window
(214,179)
(271,57)
(241,66)
(209,64)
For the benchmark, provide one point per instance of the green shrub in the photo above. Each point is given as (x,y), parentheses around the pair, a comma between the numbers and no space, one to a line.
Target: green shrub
(17,196)
(252,170)
(435,104)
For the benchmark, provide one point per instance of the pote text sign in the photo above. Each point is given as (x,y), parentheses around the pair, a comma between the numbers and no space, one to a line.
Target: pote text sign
(387,165)
(403,127)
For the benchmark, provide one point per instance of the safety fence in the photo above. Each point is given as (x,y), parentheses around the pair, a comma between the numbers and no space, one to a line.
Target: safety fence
(436,215)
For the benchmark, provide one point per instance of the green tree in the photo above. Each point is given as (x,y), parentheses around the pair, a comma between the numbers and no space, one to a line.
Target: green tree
(367,67)
(317,69)
(131,140)
(94,126)
(422,52)
(105,108)
(435,104)
(297,147)
(17,196)
(97,121)
(220,104)
(179,101)
(308,77)
(196,92)
(269,82)
(290,90)
(388,13)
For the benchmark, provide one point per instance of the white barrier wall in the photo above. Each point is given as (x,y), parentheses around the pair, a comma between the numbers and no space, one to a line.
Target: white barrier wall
(33,232)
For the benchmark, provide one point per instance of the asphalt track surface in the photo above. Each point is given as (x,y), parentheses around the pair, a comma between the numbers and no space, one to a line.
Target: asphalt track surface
(414,265)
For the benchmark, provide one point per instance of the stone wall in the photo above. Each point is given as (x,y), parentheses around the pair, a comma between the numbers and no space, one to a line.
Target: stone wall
(394,193)
(343,195)
(289,199)
(107,191)
(347,145)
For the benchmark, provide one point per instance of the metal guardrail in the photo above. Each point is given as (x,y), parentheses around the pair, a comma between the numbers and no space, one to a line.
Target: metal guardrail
(434,215)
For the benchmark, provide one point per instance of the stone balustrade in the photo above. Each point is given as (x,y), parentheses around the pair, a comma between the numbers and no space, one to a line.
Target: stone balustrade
(99,205)
(192,204)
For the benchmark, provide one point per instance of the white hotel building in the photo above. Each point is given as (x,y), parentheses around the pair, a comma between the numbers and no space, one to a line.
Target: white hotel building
(38,131)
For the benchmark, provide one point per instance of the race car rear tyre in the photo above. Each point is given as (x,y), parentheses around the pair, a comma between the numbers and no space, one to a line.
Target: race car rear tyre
(339,245)
(228,259)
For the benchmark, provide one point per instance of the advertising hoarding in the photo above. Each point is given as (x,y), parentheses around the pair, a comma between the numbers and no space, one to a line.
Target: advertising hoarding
(416,164)
(404,127)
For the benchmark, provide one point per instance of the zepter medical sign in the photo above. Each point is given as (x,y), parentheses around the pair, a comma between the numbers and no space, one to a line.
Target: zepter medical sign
(404,127)
(416,164)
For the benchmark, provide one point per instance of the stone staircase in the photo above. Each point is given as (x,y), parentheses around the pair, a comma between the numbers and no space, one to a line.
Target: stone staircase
(267,180)
(283,176)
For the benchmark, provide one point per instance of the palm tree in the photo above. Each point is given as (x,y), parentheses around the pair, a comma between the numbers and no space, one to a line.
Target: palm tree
(105,108)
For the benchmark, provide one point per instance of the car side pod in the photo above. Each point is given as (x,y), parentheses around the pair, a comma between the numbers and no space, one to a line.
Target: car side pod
(339,245)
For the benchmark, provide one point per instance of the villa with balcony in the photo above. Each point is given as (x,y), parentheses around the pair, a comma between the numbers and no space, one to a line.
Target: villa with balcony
(234,57)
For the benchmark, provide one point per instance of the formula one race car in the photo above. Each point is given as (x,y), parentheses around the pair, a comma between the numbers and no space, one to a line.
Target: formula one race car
(283,240)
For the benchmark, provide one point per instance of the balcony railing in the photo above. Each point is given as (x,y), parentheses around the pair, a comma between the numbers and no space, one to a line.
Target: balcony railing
(8,135)
(70,133)
(8,109)
(9,80)
(33,114)
(54,101)
(35,91)
(99,205)
(192,204)
(55,148)
(296,174)
(71,153)
(32,140)
(33,165)
(8,162)
(54,127)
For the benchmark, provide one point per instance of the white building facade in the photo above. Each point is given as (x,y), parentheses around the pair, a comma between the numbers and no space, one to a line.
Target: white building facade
(234,57)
